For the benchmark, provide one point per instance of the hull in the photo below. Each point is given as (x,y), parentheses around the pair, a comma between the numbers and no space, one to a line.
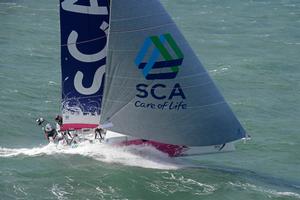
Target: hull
(118,139)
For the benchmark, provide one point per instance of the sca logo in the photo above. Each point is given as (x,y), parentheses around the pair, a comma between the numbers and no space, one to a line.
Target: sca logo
(162,63)
(159,49)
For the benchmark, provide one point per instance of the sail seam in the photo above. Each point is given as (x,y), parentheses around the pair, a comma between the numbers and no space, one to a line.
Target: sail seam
(180,78)
(192,86)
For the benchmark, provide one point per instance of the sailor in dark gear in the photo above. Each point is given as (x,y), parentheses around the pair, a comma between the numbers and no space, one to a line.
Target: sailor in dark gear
(40,121)
(65,134)
(99,133)
(58,119)
(50,133)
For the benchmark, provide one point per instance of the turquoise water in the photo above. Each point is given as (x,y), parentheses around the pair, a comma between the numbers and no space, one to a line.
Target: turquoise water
(251,49)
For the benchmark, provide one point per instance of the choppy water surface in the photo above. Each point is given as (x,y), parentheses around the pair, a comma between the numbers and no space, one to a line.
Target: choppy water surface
(251,49)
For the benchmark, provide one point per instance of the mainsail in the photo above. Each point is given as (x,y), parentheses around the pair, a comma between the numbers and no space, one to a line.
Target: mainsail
(155,86)
(84,28)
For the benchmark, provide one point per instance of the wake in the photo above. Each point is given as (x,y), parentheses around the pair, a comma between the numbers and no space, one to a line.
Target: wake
(149,157)
(139,156)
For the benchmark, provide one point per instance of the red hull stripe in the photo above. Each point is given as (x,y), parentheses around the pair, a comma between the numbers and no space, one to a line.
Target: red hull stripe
(77,126)
(170,149)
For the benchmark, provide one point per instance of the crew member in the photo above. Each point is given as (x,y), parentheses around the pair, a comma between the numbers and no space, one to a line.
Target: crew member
(40,121)
(50,133)
(58,119)
(65,134)
(99,133)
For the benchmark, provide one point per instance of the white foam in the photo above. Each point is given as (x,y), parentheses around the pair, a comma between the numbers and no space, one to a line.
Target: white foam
(173,182)
(271,192)
(141,156)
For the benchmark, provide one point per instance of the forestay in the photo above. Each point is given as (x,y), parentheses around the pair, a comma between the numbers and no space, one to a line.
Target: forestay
(155,87)
(84,28)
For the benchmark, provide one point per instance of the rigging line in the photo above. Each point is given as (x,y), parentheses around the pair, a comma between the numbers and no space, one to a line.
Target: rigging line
(143,29)
(122,50)
(207,105)
(84,41)
(125,77)
(66,98)
(139,17)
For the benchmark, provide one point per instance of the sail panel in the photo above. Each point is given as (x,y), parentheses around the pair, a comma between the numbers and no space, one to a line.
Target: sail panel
(156,88)
(84,27)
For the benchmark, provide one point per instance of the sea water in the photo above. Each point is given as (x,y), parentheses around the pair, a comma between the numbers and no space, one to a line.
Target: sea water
(251,48)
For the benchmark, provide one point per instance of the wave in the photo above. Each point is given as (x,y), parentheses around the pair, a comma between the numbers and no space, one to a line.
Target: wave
(259,189)
(140,156)
(149,157)
(170,182)
(272,186)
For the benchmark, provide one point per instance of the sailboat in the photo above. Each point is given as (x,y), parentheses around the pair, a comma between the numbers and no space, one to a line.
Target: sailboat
(126,67)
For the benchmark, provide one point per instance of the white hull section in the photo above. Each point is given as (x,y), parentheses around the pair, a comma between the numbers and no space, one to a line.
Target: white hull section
(117,138)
